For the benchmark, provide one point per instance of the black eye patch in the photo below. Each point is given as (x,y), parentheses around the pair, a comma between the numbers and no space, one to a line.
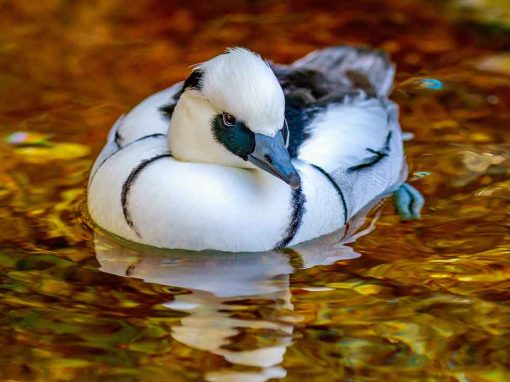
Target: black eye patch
(236,138)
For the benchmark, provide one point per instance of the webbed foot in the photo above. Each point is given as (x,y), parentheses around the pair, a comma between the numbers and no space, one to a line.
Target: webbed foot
(408,201)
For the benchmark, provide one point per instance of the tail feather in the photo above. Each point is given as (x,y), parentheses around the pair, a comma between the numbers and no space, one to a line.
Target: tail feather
(360,67)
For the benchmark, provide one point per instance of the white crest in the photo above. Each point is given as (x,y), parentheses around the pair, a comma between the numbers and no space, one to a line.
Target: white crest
(241,83)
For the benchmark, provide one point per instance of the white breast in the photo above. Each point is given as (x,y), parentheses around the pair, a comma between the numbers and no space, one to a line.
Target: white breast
(196,206)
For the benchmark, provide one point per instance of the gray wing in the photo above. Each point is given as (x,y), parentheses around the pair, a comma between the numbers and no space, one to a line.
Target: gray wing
(335,78)
(331,73)
(342,123)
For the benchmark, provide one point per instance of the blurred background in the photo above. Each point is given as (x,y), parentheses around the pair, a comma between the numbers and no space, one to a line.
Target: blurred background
(426,300)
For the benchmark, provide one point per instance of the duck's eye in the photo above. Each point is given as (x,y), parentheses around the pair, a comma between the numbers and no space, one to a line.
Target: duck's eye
(229,120)
(285,132)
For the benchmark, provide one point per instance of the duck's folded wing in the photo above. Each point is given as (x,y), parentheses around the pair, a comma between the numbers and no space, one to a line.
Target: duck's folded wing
(337,107)
(341,121)
(332,72)
(358,146)
(352,134)
(357,67)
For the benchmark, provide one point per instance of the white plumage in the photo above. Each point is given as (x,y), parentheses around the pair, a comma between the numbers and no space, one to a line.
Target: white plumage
(241,69)
(166,178)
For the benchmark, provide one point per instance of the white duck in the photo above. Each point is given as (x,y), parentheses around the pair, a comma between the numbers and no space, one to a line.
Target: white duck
(244,156)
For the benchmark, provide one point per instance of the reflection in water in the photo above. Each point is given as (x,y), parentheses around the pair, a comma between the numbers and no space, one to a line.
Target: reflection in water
(233,294)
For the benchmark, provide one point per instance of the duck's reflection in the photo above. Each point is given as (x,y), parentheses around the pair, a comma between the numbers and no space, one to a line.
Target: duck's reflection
(233,296)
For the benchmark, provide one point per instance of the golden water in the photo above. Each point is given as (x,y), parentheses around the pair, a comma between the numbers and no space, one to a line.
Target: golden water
(416,301)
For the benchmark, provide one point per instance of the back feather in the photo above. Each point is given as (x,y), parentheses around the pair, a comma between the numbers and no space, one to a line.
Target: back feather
(355,67)
(327,78)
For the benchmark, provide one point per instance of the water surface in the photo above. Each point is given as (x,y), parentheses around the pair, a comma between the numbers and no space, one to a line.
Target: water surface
(425,300)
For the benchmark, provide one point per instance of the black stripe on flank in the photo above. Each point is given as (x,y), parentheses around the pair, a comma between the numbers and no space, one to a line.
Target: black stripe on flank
(118,139)
(337,189)
(298,210)
(378,155)
(387,142)
(126,187)
(369,161)
(122,148)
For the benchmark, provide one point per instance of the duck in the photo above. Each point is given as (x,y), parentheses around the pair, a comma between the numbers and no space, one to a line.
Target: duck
(246,155)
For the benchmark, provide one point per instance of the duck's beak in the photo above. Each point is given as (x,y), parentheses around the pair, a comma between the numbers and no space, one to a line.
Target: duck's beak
(271,155)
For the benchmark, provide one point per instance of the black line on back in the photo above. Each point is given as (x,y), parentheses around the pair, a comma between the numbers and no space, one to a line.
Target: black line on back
(298,210)
(298,118)
(377,157)
(126,187)
(158,135)
(308,92)
(168,110)
(337,188)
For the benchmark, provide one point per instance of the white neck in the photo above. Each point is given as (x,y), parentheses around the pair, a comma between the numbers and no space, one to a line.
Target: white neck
(190,137)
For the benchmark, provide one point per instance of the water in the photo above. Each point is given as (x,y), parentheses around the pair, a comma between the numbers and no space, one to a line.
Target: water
(426,300)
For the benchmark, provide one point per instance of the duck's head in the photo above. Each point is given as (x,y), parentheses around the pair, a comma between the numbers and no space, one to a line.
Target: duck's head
(232,113)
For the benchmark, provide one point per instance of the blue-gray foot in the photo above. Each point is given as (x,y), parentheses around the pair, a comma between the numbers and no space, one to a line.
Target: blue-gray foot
(408,201)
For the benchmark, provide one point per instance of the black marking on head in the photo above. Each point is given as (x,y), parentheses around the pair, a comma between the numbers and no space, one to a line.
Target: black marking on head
(298,210)
(126,187)
(194,81)
(374,159)
(237,139)
(337,189)
(122,148)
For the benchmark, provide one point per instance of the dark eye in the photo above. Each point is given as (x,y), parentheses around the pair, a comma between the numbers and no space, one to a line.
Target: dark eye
(285,132)
(229,120)
(233,135)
